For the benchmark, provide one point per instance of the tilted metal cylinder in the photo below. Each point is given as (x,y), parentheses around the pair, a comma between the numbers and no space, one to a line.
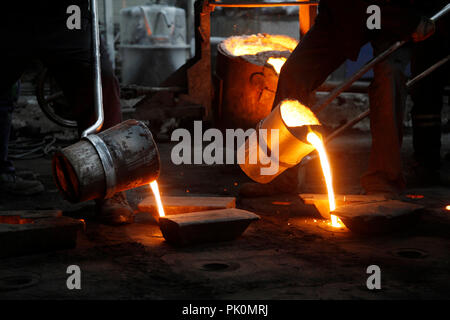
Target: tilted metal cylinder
(292,147)
(118,159)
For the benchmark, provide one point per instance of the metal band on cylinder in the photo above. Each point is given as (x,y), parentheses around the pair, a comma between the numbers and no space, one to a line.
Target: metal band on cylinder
(107,163)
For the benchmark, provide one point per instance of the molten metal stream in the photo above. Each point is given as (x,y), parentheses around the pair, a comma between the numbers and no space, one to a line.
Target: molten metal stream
(155,189)
(317,142)
(277,63)
(295,114)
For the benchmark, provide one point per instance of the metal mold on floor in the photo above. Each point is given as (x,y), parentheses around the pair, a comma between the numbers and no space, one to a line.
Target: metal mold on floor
(27,232)
(14,220)
(218,266)
(206,226)
(410,253)
(18,281)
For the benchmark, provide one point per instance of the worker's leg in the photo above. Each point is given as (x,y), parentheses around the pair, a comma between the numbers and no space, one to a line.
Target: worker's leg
(9,182)
(6,109)
(427,96)
(387,95)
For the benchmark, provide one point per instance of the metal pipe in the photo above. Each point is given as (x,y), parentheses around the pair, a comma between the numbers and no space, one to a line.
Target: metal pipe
(428,71)
(190,21)
(357,87)
(108,8)
(349,124)
(260,5)
(144,90)
(441,13)
(98,96)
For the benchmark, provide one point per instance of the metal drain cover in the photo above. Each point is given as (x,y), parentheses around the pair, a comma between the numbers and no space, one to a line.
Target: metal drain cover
(17,282)
(219,266)
(410,253)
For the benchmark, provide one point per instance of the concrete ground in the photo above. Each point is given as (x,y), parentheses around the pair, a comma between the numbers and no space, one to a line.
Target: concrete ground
(288,254)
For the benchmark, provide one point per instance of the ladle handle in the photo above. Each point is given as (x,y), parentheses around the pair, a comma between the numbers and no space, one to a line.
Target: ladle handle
(98,96)
(441,13)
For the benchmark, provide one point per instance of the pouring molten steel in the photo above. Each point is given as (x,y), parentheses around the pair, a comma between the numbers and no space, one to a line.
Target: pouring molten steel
(295,114)
(317,142)
(155,190)
(277,63)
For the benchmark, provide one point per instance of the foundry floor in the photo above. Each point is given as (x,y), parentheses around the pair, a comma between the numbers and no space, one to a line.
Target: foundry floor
(285,255)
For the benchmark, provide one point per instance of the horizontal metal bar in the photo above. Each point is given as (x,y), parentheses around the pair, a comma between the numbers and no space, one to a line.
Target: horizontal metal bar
(144,89)
(356,87)
(428,71)
(226,4)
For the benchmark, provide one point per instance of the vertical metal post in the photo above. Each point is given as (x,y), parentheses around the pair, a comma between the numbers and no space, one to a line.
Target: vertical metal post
(98,96)
(190,21)
(108,10)
(199,75)
(307,15)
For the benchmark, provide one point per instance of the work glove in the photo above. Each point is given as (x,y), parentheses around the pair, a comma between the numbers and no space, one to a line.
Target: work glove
(424,30)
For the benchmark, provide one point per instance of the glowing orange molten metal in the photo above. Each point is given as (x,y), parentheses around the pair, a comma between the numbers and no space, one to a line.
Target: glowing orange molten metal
(295,114)
(254,44)
(155,189)
(447,208)
(317,142)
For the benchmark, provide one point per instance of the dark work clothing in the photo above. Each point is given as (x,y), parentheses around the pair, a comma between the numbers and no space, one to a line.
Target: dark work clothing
(387,96)
(6,166)
(346,21)
(7,102)
(39,31)
(427,94)
(338,33)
